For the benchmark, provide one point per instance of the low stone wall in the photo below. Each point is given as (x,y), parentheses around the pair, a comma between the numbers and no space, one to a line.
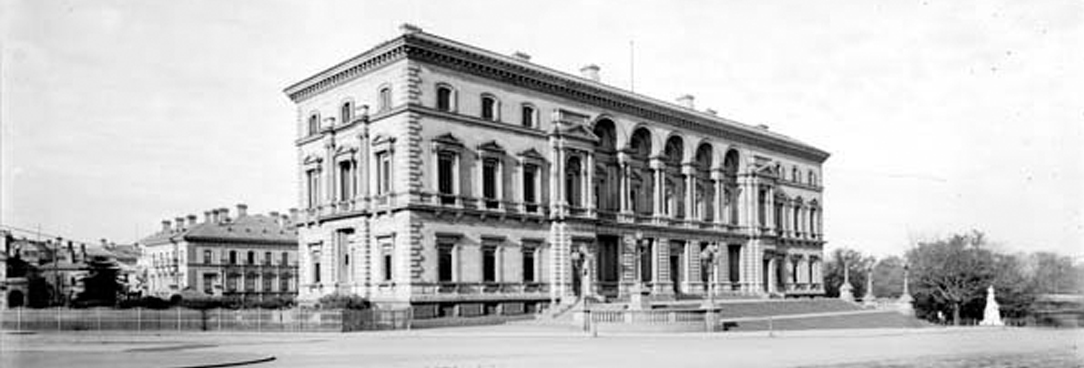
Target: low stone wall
(182,319)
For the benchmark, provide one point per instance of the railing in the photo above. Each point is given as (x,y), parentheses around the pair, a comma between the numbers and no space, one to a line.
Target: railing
(181,319)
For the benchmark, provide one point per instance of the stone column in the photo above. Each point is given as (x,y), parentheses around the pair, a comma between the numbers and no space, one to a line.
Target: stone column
(588,200)
(623,171)
(717,202)
(557,192)
(658,169)
(661,278)
(689,172)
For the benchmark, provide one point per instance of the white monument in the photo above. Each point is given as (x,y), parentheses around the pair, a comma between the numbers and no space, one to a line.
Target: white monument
(992,315)
(903,305)
(845,290)
(869,300)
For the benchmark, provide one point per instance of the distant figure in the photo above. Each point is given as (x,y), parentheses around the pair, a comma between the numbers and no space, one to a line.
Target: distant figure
(940,317)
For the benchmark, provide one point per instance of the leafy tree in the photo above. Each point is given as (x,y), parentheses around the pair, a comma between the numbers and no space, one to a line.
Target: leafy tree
(857,264)
(1055,274)
(888,277)
(1014,288)
(951,272)
(103,283)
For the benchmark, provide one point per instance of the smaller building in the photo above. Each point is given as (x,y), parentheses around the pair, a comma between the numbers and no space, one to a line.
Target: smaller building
(250,256)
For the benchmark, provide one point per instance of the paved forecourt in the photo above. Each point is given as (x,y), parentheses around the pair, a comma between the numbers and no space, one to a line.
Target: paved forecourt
(535,346)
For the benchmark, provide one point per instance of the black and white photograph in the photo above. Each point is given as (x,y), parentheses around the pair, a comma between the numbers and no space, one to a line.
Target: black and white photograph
(580,183)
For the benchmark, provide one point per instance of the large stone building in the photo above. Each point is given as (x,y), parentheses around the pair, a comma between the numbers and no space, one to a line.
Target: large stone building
(459,180)
(249,256)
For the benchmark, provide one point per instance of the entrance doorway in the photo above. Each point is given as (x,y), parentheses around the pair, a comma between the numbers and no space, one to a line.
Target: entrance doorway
(608,264)
(677,254)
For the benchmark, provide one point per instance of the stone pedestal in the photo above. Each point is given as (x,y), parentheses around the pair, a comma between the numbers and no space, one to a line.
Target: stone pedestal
(904,305)
(846,292)
(638,299)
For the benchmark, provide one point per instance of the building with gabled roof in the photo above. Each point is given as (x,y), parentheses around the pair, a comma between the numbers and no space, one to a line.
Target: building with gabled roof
(251,256)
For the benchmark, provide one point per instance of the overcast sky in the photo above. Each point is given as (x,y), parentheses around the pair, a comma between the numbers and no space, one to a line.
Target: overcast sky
(941,116)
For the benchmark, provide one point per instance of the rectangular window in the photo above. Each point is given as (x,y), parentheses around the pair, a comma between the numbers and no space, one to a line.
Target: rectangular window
(489,108)
(312,180)
(346,180)
(444,99)
(528,116)
(387,267)
(284,283)
(530,187)
(251,257)
(489,182)
(208,283)
(250,283)
(446,177)
(528,264)
(316,272)
(268,280)
(445,261)
(207,256)
(385,99)
(231,283)
(233,257)
(285,259)
(383,172)
(267,258)
(489,264)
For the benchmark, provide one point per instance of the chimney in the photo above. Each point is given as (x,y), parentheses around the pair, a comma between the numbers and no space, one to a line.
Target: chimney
(521,55)
(407,28)
(178,223)
(165,225)
(286,220)
(191,221)
(207,217)
(274,215)
(590,72)
(686,101)
(223,214)
(242,210)
(293,215)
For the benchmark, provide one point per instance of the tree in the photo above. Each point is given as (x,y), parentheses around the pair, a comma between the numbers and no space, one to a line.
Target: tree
(1014,288)
(1054,274)
(857,264)
(951,272)
(888,277)
(102,285)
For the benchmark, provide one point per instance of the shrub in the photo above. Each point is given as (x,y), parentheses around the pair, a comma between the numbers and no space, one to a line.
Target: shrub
(343,301)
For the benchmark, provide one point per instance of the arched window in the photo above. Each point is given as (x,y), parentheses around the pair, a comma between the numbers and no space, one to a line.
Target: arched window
(529,116)
(385,98)
(794,175)
(445,98)
(314,124)
(812,178)
(346,112)
(573,182)
(490,108)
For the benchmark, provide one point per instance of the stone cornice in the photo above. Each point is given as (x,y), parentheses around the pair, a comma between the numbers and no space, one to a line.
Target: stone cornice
(453,55)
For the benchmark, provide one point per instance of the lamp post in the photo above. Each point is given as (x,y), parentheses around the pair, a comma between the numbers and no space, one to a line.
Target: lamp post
(636,298)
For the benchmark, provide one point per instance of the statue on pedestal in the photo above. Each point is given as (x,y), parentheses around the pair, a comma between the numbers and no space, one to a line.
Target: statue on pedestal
(991,316)
(903,304)
(869,299)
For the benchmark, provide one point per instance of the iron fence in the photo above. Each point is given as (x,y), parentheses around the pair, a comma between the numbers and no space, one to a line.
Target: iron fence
(182,319)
